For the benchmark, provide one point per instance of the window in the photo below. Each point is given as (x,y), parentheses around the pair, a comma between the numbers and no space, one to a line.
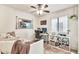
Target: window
(60,24)
(54,25)
(63,24)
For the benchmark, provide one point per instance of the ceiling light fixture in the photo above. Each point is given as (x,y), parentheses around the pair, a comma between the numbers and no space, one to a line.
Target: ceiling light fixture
(40,8)
(39,12)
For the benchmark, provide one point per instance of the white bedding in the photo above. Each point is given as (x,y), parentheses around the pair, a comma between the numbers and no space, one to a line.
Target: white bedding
(5,46)
(35,48)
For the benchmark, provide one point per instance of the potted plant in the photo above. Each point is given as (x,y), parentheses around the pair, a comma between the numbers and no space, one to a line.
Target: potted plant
(73,17)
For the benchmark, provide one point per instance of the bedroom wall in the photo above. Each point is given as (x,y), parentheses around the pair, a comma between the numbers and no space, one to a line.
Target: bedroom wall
(78,28)
(73,24)
(8,22)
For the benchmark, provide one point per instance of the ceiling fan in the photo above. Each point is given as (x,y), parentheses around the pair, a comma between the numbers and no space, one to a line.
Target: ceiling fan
(40,8)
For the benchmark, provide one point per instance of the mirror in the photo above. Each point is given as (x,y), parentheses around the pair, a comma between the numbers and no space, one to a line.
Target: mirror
(24,23)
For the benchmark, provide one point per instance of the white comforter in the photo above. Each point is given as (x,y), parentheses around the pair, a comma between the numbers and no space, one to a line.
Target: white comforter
(5,46)
(35,48)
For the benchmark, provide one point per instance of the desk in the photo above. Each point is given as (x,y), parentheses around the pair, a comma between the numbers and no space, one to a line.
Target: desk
(45,36)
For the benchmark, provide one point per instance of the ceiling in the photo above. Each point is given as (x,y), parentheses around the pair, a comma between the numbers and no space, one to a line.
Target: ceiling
(51,7)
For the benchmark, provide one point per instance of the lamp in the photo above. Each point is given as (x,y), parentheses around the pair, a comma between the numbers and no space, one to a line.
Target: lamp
(39,12)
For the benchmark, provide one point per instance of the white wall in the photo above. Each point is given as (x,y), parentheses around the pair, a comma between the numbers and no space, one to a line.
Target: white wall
(73,24)
(78,28)
(8,21)
(47,17)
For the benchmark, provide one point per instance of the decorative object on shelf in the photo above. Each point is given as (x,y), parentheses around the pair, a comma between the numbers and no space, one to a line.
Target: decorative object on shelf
(22,23)
(43,22)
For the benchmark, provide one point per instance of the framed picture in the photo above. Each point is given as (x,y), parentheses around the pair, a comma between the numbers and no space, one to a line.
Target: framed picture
(43,22)
(22,23)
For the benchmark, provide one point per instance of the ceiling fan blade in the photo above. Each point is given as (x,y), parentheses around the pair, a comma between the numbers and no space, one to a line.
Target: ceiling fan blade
(33,7)
(46,11)
(33,11)
(45,6)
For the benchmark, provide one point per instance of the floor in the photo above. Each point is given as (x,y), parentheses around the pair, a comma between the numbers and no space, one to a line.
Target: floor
(49,49)
(74,51)
(65,48)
